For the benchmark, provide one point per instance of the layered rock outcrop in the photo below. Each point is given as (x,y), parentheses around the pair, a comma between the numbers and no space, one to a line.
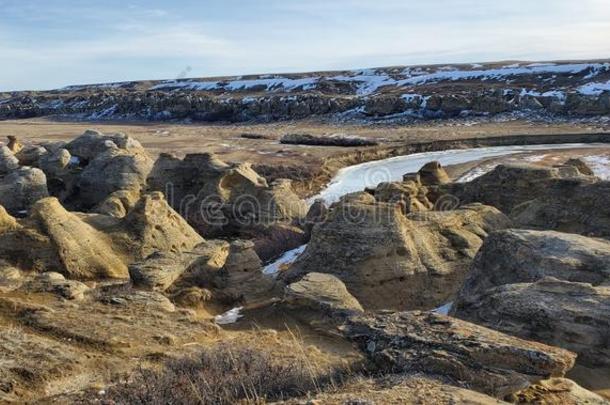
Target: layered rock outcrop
(111,163)
(507,186)
(576,208)
(563,198)
(221,199)
(391,261)
(408,92)
(485,360)
(544,286)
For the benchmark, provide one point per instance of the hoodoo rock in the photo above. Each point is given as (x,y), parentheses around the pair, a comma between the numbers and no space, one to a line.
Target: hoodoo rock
(13,144)
(84,253)
(433,174)
(155,226)
(222,199)
(411,196)
(8,161)
(391,261)
(21,188)
(113,170)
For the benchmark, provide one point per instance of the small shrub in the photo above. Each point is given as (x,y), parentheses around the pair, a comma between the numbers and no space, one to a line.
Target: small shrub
(223,375)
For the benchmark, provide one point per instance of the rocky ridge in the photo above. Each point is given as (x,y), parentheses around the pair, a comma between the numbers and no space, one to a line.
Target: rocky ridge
(414,92)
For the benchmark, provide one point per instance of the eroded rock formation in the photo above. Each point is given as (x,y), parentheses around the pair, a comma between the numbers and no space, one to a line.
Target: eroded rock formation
(220,199)
(389,260)
(486,360)
(544,286)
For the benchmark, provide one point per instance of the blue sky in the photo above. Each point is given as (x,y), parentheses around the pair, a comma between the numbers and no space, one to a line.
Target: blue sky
(49,44)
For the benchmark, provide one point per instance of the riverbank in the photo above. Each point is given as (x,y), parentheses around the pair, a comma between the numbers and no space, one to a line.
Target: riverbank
(311,167)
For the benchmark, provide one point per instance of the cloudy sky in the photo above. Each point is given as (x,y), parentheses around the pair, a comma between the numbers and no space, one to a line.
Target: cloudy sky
(47,44)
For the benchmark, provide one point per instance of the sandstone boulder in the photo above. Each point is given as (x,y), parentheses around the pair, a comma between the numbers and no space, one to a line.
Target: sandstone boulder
(83,252)
(241,279)
(545,286)
(8,161)
(93,143)
(22,188)
(161,270)
(575,316)
(54,164)
(158,271)
(320,299)
(574,207)
(391,261)
(113,170)
(138,300)
(507,186)
(13,144)
(523,256)
(155,226)
(433,174)
(485,360)
(30,155)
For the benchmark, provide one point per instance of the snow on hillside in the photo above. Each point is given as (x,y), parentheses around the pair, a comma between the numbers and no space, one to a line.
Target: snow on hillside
(368,81)
(594,89)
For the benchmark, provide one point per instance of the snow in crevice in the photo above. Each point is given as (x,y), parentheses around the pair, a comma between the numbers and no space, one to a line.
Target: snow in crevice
(229,317)
(445,309)
(287,258)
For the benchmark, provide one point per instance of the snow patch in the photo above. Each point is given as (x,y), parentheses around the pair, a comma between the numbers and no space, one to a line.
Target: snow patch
(600,166)
(229,317)
(594,89)
(445,309)
(287,258)
(269,84)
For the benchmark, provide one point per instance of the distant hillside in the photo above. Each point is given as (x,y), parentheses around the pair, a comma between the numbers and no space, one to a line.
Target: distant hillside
(567,89)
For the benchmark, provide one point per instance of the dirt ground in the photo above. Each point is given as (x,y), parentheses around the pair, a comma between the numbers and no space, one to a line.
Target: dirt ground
(226,140)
